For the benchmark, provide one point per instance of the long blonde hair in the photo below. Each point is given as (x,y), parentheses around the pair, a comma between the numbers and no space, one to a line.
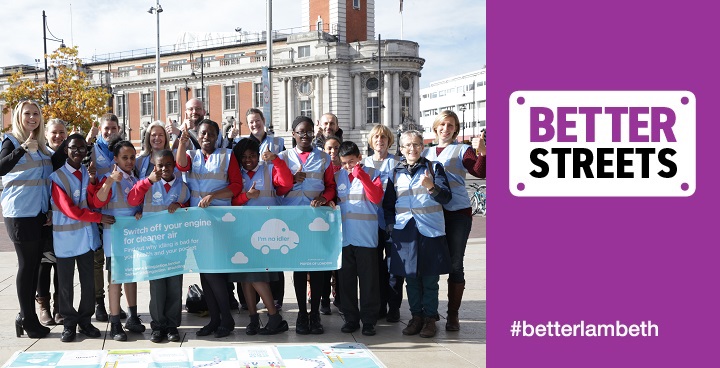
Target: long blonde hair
(19,132)
(146,147)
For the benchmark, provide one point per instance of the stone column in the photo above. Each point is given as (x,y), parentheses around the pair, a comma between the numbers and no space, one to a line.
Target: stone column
(281,120)
(358,102)
(387,90)
(290,108)
(318,96)
(395,101)
(415,99)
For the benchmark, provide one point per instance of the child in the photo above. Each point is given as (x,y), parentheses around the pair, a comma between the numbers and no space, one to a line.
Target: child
(314,185)
(358,197)
(263,183)
(75,237)
(158,192)
(331,146)
(110,195)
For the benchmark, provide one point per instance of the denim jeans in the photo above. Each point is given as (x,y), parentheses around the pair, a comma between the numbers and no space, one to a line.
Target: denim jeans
(422,293)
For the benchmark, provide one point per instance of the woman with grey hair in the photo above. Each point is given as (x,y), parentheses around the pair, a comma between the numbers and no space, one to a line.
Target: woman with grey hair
(415,192)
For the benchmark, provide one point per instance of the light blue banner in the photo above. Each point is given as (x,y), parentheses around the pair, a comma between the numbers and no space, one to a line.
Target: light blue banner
(226,239)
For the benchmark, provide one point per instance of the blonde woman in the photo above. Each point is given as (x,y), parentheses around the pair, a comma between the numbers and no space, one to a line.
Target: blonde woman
(25,167)
(156,140)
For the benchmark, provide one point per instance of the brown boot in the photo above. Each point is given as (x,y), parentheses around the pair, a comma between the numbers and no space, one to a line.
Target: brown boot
(414,326)
(59,319)
(429,329)
(44,314)
(455,293)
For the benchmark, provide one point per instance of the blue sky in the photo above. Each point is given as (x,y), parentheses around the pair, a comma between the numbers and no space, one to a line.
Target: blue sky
(451,33)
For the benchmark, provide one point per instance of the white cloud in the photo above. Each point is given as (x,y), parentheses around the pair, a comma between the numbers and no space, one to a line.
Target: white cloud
(228,217)
(319,225)
(239,258)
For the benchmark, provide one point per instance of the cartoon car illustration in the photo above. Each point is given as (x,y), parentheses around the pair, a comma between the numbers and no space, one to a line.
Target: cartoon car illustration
(273,235)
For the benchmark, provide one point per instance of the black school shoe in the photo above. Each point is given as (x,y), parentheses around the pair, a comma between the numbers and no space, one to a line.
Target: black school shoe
(68,334)
(89,330)
(173,335)
(368,329)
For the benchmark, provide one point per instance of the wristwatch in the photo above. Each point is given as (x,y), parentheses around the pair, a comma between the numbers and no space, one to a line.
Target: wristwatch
(24,147)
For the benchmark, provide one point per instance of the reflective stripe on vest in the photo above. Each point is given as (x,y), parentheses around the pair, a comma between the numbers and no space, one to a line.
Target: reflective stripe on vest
(207,176)
(359,215)
(26,190)
(263,183)
(72,237)
(381,169)
(421,206)
(451,159)
(157,199)
(314,168)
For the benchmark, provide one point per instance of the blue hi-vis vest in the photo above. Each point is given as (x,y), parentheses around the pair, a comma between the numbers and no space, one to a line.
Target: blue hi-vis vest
(118,206)
(142,164)
(26,188)
(103,164)
(414,201)
(72,237)
(263,183)
(208,176)
(314,183)
(451,159)
(386,167)
(157,199)
(359,215)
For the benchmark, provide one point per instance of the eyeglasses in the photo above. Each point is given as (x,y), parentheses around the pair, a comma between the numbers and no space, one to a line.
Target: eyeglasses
(303,134)
(412,145)
(79,149)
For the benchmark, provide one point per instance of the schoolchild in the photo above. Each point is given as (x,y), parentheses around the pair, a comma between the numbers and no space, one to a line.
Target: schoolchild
(162,191)
(358,197)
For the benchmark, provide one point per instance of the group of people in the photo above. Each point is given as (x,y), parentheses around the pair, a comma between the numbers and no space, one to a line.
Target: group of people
(405,219)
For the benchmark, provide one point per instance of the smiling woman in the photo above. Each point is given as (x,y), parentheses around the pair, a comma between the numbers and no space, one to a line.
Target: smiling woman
(25,168)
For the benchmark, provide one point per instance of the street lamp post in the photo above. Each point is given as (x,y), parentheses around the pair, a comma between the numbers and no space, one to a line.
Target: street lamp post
(186,90)
(462,108)
(45,39)
(157,10)
(202,84)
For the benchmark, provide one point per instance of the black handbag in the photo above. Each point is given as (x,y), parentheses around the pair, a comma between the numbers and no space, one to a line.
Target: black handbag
(195,300)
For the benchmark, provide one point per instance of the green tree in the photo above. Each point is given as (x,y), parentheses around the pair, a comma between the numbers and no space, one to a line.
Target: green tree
(71,96)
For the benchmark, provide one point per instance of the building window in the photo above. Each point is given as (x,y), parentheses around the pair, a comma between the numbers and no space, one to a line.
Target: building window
(372,84)
(147,104)
(405,83)
(405,106)
(173,106)
(120,105)
(306,108)
(481,104)
(373,110)
(356,4)
(305,88)
(230,98)
(200,94)
(258,94)
(303,51)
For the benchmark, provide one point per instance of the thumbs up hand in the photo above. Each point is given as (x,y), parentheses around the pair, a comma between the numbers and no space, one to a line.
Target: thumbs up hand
(185,136)
(116,174)
(299,175)
(31,144)
(155,175)
(427,181)
(267,155)
(92,134)
(253,193)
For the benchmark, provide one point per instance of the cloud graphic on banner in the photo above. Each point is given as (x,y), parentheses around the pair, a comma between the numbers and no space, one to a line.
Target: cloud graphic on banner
(274,234)
(239,258)
(228,217)
(319,225)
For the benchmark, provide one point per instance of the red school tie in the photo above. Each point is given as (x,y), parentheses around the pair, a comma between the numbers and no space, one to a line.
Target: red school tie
(78,175)
(167,187)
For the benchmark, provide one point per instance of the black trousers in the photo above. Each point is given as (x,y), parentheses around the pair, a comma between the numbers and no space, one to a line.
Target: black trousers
(27,237)
(166,302)
(214,286)
(316,286)
(66,275)
(391,286)
(359,264)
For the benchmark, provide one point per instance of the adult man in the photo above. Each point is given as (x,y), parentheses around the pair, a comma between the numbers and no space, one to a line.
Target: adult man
(194,114)
(327,126)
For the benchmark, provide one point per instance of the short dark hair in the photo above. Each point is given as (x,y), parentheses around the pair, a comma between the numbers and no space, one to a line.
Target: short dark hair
(253,110)
(163,153)
(209,122)
(348,148)
(117,143)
